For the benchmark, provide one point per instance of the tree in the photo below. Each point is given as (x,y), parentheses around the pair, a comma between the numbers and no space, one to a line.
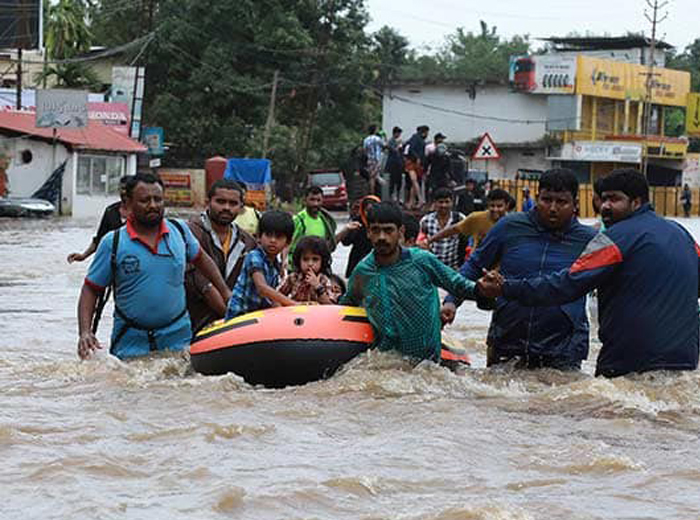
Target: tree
(210,70)
(67,36)
(390,50)
(468,56)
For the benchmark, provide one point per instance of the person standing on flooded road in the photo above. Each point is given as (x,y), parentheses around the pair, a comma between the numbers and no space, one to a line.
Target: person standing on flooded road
(544,240)
(646,269)
(397,286)
(144,262)
(225,242)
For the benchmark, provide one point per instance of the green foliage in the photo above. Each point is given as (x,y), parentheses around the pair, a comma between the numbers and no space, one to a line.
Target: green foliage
(211,65)
(688,60)
(674,121)
(468,56)
(67,36)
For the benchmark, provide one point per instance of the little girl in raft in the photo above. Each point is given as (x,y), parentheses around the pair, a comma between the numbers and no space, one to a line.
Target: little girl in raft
(311,279)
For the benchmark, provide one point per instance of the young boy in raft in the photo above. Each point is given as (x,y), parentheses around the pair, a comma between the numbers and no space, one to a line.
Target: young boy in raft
(398,288)
(310,281)
(260,274)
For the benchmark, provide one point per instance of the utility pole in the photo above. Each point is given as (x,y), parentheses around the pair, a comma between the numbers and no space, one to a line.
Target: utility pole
(654,19)
(19,78)
(270,114)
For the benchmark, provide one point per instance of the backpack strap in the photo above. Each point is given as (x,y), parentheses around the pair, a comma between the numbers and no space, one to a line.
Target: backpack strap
(178,226)
(128,322)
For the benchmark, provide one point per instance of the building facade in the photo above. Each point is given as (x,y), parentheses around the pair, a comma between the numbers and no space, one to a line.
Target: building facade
(96,158)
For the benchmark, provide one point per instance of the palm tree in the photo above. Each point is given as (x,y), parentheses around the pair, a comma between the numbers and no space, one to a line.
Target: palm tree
(67,36)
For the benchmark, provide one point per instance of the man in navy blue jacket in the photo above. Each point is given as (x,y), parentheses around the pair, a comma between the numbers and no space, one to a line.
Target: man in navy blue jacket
(646,269)
(544,240)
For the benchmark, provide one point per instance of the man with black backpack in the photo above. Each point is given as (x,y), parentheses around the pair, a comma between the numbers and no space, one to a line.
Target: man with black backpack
(144,262)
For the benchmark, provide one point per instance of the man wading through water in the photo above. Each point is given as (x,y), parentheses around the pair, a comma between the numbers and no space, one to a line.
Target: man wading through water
(225,242)
(145,263)
(542,241)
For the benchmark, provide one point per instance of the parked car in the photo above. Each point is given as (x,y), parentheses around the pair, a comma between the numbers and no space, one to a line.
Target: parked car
(332,184)
(25,207)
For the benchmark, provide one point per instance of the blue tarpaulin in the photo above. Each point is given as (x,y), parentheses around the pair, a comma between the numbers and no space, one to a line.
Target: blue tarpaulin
(249,171)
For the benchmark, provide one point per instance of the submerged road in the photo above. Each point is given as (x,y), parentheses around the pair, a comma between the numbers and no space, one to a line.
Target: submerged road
(380,440)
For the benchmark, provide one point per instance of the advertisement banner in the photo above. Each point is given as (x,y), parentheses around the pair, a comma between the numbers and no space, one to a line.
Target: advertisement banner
(607,152)
(617,80)
(547,74)
(177,188)
(153,138)
(692,115)
(61,108)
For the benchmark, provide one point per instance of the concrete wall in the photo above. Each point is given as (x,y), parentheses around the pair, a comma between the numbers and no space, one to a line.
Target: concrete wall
(451,110)
(25,178)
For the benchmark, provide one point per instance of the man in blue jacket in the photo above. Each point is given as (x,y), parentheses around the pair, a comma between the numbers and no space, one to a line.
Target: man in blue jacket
(544,240)
(646,270)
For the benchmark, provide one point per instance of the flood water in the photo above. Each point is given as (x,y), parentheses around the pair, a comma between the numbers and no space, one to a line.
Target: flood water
(380,440)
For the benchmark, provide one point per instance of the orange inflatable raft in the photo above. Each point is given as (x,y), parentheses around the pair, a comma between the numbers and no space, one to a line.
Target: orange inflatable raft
(289,345)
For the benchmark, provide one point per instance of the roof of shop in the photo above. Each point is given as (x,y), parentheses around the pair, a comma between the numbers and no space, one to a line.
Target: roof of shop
(604,42)
(95,136)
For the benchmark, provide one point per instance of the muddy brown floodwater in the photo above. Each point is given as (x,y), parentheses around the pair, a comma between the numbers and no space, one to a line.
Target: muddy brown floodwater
(380,440)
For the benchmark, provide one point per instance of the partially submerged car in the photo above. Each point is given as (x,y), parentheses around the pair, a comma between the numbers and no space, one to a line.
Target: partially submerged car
(25,207)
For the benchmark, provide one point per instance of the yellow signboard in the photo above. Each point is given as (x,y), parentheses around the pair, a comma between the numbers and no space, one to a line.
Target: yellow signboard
(618,80)
(692,114)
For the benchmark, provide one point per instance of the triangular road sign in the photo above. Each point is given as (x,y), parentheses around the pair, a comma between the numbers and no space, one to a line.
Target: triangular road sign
(486,149)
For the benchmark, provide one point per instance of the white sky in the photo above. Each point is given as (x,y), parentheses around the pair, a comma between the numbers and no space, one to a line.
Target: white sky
(427,22)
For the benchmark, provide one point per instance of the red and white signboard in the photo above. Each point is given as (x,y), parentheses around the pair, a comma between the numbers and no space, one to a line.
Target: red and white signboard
(486,149)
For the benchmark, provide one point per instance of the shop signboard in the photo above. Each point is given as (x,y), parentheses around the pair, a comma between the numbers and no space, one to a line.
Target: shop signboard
(59,108)
(546,74)
(618,80)
(177,188)
(599,151)
(692,115)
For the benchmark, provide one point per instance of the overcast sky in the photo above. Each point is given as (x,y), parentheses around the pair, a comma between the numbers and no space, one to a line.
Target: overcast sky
(427,22)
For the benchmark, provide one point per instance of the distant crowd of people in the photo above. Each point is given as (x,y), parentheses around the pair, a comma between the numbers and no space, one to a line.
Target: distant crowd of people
(533,268)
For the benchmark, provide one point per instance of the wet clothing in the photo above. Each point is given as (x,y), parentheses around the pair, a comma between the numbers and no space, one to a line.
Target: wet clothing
(448,249)
(299,290)
(111,220)
(557,334)
(476,226)
(245,296)
(646,271)
(361,246)
(402,302)
(228,260)
(150,289)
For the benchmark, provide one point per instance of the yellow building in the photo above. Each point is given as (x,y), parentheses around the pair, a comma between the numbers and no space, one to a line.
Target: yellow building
(601,126)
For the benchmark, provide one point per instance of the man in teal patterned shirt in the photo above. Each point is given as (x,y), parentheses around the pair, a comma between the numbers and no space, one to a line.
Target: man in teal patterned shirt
(398,288)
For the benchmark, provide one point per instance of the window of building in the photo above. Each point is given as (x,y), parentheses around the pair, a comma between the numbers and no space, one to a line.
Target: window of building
(99,174)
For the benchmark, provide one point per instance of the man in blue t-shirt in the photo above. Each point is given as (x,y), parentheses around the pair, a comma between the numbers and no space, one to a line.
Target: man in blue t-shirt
(145,262)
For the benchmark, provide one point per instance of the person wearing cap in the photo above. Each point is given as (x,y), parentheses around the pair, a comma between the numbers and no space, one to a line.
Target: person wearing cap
(528,203)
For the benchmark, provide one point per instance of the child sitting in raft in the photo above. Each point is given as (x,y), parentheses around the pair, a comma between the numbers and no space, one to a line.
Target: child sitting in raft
(255,287)
(310,281)
(398,288)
